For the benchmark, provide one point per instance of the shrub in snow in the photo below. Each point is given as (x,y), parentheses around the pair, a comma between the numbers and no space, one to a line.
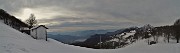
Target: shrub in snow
(152,42)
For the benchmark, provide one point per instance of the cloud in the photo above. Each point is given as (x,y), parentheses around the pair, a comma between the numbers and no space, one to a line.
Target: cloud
(67,15)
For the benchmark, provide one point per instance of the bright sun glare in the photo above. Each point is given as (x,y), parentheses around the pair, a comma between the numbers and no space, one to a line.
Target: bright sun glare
(41,13)
(27,10)
(26,13)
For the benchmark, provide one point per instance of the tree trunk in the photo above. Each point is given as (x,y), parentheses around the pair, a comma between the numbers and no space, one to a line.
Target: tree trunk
(177,38)
(168,38)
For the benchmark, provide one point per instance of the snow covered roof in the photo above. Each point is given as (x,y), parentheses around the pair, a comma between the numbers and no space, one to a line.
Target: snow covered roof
(39,26)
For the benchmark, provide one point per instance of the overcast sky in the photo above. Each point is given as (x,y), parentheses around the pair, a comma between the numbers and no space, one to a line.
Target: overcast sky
(72,15)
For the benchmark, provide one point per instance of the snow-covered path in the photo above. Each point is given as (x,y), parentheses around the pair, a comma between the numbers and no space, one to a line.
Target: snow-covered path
(12,41)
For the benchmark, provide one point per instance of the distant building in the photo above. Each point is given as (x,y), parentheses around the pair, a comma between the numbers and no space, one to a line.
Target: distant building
(39,32)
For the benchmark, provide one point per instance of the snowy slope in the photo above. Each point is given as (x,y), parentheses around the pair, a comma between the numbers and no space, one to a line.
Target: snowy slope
(12,41)
(142,47)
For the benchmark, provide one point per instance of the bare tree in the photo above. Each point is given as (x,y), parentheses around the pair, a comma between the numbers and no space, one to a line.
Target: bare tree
(31,21)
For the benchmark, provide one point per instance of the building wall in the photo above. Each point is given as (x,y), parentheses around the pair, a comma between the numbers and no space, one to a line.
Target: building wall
(41,33)
(33,33)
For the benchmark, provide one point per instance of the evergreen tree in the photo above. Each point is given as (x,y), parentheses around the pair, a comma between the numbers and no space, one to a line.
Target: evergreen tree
(177,29)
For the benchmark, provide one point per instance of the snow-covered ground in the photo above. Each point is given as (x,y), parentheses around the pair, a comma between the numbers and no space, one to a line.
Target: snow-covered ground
(13,41)
(124,35)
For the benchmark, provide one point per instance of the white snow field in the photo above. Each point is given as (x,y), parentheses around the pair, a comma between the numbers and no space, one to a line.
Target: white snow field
(13,41)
